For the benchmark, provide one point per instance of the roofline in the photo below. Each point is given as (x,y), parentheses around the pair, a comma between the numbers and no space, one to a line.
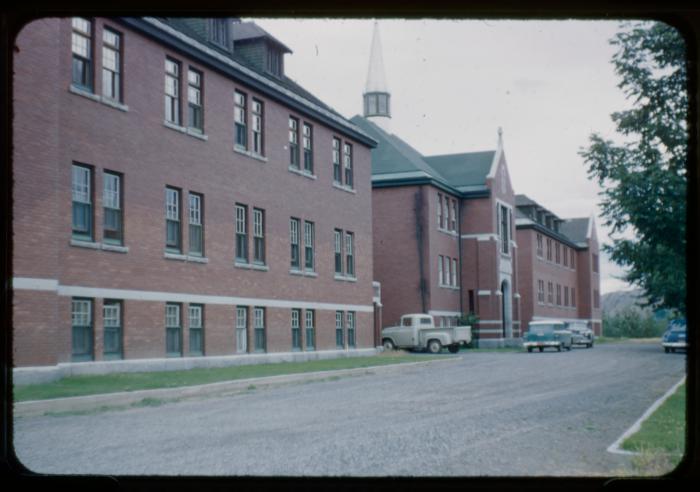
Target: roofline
(556,235)
(429,180)
(166,34)
(494,163)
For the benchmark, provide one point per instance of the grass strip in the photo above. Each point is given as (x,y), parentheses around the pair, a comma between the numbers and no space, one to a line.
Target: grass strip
(113,383)
(664,430)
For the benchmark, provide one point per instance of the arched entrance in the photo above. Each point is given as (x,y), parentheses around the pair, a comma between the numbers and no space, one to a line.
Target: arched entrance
(506,310)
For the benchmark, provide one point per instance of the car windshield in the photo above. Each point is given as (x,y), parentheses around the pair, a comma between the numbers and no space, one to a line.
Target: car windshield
(545,328)
(677,328)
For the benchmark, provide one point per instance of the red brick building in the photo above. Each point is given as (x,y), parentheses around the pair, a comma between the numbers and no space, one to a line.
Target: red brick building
(175,194)
(558,266)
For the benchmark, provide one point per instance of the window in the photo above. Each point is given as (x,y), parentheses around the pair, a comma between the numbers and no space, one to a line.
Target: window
(296,330)
(339,335)
(293,143)
(196,225)
(504,219)
(557,253)
(445,213)
(241,233)
(337,175)
(454,272)
(81,46)
(309,335)
(595,263)
(194,100)
(566,295)
(549,249)
(453,216)
(259,327)
(258,236)
(440,274)
(338,240)
(274,62)
(540,291)
(82,202)
(172,220)
(550,293)
(81,321)
(173,330)
(196,329)
(439,211)
(540,252)
(241,329)
(573,257)
(111,65)
(558,295)
(111,201)
(240,120)
(573,296)
(347,159)
(112,321)
(257,127)
(309,245)
(349,254)
(307,143)
(172,91)
(565,256)
(294,241)
(351,329)
(219,32)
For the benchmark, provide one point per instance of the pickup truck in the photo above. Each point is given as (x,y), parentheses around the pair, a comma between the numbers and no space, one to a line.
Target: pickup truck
(418,332)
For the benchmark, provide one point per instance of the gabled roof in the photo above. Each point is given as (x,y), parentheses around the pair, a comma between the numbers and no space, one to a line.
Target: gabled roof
(576,229)
(464,170)
(395,160)
(245,31)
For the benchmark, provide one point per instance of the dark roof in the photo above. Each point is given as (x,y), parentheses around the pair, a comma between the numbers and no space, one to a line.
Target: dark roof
(467,169)
(524,201)
(575,229)
(244,31)
(195,28)
(394,157)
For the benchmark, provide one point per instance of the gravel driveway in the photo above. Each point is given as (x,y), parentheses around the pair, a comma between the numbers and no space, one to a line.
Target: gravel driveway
(490,413)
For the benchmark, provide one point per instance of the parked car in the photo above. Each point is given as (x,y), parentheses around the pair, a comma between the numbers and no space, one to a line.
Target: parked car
(581,334)
(547,334)
(675,336)
(418,331)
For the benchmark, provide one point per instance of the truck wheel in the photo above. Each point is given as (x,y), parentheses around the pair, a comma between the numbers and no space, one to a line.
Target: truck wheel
(389,345)
(559,348)
(529,349)
(453,348)
(434,346)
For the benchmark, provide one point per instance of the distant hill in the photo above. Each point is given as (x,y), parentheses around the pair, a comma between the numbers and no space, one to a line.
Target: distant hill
(615,302)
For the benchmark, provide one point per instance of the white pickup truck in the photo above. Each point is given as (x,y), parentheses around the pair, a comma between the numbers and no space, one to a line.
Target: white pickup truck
(418,331)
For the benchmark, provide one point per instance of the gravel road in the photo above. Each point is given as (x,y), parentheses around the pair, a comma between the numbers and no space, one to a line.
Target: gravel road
(489,413)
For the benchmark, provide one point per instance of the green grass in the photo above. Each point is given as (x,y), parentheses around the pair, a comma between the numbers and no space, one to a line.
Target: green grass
(112,383)
(664,431)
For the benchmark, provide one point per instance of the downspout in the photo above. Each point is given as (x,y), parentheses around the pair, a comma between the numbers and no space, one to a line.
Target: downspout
(459,247)
(418,209)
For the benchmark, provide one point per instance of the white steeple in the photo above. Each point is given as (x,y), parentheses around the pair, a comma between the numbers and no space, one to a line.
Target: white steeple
(376,95)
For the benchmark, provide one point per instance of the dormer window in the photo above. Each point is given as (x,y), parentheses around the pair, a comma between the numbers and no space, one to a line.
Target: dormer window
(219,32)
(274,62)
(377,104)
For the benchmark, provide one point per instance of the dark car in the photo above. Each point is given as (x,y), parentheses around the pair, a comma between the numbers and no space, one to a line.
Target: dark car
(675,336)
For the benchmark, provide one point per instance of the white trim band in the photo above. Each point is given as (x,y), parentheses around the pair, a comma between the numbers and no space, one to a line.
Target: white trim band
(23,283)
(444,313)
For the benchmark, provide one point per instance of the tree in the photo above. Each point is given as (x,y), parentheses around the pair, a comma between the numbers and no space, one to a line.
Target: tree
(644,177)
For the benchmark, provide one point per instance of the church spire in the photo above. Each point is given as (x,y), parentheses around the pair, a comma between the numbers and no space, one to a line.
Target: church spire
(376,95)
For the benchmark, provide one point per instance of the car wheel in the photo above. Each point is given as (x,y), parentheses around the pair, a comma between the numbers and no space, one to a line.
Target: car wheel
(453,348)
(673,350)
(541,349)
(666,350)
(529,349)
(559,348)
(389,345)
(434,346)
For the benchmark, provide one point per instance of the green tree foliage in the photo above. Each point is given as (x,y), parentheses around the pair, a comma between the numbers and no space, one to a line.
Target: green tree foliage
(633,323)
(644,176)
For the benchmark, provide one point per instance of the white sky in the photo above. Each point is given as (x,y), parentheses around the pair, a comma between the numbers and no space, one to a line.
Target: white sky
(548,84)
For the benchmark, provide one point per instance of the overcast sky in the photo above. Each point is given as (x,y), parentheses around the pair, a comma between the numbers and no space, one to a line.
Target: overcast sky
(548,84)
